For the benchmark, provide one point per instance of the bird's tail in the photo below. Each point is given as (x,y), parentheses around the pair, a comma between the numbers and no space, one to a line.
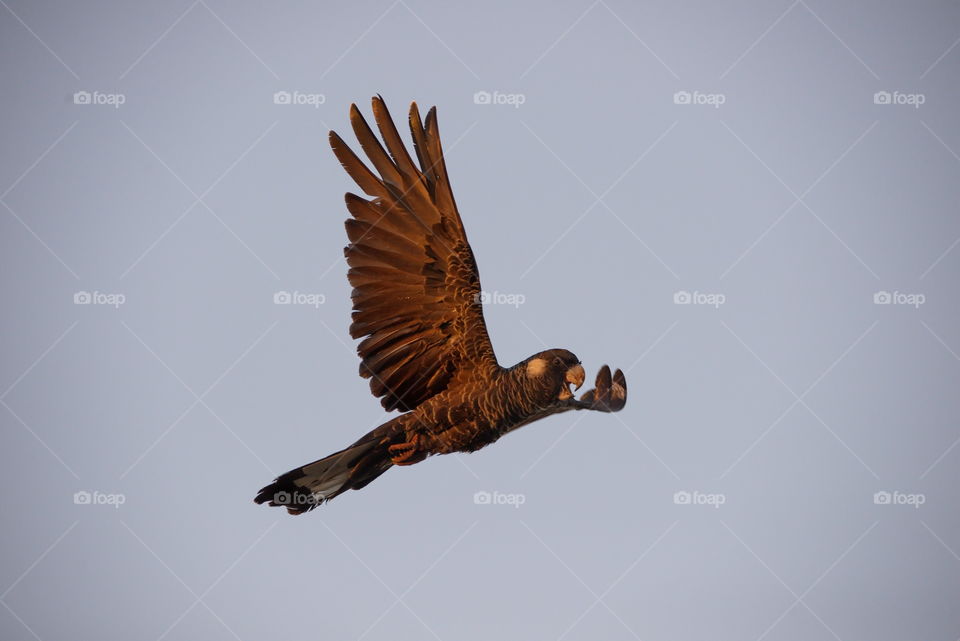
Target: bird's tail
(304,488)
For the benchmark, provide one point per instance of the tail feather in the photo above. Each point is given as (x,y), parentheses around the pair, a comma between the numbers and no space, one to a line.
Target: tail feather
(304,488)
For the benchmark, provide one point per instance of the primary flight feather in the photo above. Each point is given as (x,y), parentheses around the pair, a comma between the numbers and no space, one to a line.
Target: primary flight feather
(417,308)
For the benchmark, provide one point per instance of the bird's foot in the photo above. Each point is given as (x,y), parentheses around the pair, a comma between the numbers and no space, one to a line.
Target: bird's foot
(609,395)
(406,453)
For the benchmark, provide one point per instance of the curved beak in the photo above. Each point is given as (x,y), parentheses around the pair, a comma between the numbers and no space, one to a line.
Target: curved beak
(575,375)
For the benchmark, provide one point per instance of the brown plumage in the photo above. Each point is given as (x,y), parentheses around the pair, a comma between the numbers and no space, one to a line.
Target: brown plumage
(417,308)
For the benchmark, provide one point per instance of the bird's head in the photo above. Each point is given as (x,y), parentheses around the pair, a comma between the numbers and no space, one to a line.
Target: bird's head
(553,371)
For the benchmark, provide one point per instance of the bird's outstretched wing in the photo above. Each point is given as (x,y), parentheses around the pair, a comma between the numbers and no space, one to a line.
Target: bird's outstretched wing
(416,289)
(609,395)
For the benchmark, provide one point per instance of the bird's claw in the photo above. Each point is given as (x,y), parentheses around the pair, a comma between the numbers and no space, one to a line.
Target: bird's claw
(609,395)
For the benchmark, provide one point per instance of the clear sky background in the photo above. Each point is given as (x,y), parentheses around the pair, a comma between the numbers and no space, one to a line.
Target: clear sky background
(779,192)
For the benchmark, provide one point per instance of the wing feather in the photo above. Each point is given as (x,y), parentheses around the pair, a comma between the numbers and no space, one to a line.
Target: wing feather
(355,168)
(442,189)
(416,303)
(398,151)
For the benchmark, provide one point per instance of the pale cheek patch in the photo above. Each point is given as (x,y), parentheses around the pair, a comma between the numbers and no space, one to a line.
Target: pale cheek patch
(536,367)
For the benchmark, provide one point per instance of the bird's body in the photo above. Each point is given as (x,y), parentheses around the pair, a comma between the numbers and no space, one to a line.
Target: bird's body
(474,414)
(417,309)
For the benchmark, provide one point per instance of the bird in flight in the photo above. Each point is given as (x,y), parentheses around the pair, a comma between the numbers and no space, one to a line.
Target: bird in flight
(417,306)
